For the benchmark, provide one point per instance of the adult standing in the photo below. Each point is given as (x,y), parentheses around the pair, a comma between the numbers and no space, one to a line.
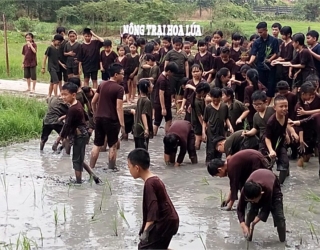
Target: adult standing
(264,50)
(107,106)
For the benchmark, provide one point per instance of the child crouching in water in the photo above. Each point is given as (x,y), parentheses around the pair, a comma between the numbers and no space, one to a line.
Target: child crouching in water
(160,219)
(76,130)
(143,129)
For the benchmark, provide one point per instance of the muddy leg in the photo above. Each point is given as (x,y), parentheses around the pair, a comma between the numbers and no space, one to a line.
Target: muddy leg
(279,219)
(167,126)
(113,156)
(94,156)
(91,173)
(252,213)
(78,176)
(67,146)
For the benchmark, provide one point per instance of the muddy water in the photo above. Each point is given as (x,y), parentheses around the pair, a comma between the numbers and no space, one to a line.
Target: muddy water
(37,191)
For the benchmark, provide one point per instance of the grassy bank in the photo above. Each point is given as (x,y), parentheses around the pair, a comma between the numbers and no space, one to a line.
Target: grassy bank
(20,118)
(45,31)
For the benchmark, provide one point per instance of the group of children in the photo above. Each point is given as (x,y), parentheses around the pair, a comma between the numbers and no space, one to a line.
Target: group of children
(224,89)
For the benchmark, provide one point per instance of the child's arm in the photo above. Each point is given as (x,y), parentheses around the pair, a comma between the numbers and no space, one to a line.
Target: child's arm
(43,70)
(23,56)
(251,132)
(80,68)
(101,66)
(204,128)
(163,107)
(242,116)
(293,132)
(272,153)
(62,65)
(94,102)
(315,55)
(96,36)
(145,124)
(34,49)
(229,125)
(186,65)
(301,112)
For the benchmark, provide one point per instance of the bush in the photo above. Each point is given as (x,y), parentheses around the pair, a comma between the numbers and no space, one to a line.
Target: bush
(20,118)
(227,27)
(24,24)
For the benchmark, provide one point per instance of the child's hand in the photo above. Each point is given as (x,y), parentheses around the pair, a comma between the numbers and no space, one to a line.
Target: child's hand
(71,53)
(80,71)
(295,75)
(231,130)
(204,137)
(301,112)
(133,111)
(163,112)
(302,147)
(238,121)
(272,154)
(295,137)
(43,70)
(63,66)
(102,69)
(245,230)
(131,76)
(180,110)
(22,66)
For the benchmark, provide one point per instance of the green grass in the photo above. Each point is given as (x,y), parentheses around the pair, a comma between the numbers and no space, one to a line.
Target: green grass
(20,118)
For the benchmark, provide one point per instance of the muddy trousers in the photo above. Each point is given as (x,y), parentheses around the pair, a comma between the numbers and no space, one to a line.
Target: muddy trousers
(277,214)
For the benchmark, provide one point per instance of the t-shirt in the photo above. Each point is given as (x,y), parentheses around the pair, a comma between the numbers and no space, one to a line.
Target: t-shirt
(53,58)
(157,207)
(276,132)
(292,101)
(62,57)
(30,58)
(286,51)
(179,57)
(248,91)
(188,93)
(163,84)
(131,64)
(143,107)
(240,166)
(107,60)
(75,119)
(71,60)
(215,119)
(205,61)
(56,109)
(260,123)
(197,110)
(219,64)
(233,143)
(270,186)
(182,129)
(316,49)
(89,56)
(235,54)
(304,57)
(235,111)
(109,92)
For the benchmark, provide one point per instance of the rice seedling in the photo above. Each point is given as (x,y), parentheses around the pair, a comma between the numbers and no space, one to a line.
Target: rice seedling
(278,142)
(34,192)
(245,125)
(115,225)
(204,245)
(64,213)
(69,186)
(121,212)
(313,196)
(56,216)
(313,231)
(222,196)
(20,179)
(103,195)
(91,180)
(5,186)
(93,217)
(109,186)
(204,181)
(41,236)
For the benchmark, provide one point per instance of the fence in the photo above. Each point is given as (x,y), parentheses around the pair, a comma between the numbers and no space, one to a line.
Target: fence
(277,10)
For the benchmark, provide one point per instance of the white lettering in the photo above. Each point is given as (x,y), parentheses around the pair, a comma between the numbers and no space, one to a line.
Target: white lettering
(154,30)
(175,30)
(187,30)
(181,33)
(136,30)
(125,29)
(169,31)
(131,29)
(142,30)
(148,29)
(197,30)
(159,31)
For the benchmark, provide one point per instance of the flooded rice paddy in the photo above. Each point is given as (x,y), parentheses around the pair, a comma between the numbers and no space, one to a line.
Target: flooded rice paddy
(40,208)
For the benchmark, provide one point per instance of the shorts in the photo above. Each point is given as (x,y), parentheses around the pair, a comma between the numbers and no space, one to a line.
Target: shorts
(141,142)
(158,115)
(73,71)
(93,75)
(54,78)
(197,129)
(176,84)
(62,72)
(268,79)
(105,76)
(79,152)
(30,72)
(106,127)
(47,129)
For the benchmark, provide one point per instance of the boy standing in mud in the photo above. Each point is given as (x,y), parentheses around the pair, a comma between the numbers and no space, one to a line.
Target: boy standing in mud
(76,130)
(160,219)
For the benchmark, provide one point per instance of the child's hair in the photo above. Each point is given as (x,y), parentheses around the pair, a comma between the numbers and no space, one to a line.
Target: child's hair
(29,34)
(107,43)
(167,38)
(286,31)
(203,87)
(170,141)
(196,66)
(134,37)
(149,48)
(214,165)
(228,92)
(114,68)
(150,57)
(225,50)
(139,157)
(86,89)
(70,87)
(218,32)
(236,37)
(279,98)
(299,38)
(313,34)
(283,85)
(119,47)
(125,35)
(314,79)
(184,81)
(253,76)
(186,43)
(244,68)
(202,43)
(307,88)
(141,41)
(251,190)
(156,41)
(58,38)
(75,80)
(259,96)
(134,44)
(223,43)
(177,39)
(276,25)
(222,72)
(207,39)
(143,86)
(216,92)
(61,30)
(253,37)
(262,25)
(172,67)
(86,31)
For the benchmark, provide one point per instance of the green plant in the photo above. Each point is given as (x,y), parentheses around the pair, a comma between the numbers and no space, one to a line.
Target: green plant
(55,216)
(115,225)
(34,192)
(121,212)
(24,24)
(103,195)
(64,213)
(109,186)
(204,245)
(312,196)
(5,186)
(278,142)
(245,125)
(41,236)
(205,181)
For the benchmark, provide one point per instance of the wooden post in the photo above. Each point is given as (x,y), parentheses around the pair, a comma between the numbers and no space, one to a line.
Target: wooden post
(309,28)
(6,43)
